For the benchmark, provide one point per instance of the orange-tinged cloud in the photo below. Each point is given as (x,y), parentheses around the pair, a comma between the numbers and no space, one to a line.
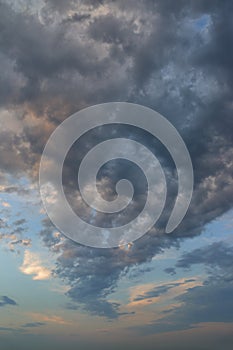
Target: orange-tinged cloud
(32,265)
(6,205)
(171,293)
(49,318)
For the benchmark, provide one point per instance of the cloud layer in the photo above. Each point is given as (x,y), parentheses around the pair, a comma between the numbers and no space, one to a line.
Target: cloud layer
(175,57)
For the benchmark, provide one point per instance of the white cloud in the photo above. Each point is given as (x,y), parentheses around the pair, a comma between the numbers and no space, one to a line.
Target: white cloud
(32,265)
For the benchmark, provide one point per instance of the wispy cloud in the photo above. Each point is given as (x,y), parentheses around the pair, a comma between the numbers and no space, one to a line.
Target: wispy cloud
(33,324)
(146,294)
(4,301)
(49,318)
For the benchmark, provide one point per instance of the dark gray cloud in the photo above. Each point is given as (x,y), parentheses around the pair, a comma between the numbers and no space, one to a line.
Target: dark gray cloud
(14,189)
(76,17)
(19,222)
(93,273)
(159,54)
(5,301)
(24,242)
(216,255)
(170,270)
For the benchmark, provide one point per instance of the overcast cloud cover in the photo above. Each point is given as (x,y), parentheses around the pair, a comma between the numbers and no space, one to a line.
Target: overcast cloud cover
(59,56)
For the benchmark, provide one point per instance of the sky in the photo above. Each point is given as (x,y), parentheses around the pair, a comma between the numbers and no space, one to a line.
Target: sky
(163,291)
